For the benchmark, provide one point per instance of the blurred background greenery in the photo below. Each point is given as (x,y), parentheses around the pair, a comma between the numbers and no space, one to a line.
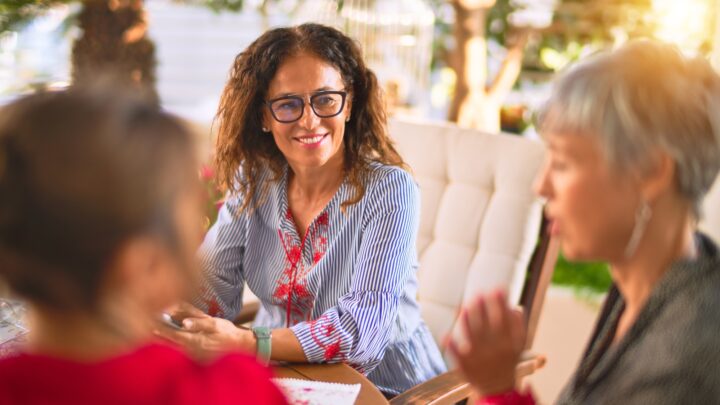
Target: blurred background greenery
(482,63)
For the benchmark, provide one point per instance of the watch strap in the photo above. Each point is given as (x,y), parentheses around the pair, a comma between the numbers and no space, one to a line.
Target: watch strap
(263,337)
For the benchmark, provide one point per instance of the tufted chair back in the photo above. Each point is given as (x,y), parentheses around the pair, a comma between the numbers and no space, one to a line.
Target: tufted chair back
(479,218)
(710,223)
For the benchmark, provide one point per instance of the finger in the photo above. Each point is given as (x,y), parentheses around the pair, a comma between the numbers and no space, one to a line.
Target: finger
(465,324)
(518,330)
(205,324)
(179,337)
(186,310)
(445,341)
(501,312)
(462,337)
(456,352)
(478,318)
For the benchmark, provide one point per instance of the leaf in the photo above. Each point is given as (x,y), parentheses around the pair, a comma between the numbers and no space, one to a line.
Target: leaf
(15,14)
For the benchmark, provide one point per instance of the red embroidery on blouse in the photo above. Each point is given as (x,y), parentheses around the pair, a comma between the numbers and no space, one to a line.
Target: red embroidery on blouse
(213,307)
(330,350)
(323,219)
(317,256)
(292,287)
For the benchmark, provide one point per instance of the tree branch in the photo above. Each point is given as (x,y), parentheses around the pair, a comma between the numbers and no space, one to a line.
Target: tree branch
(510,69)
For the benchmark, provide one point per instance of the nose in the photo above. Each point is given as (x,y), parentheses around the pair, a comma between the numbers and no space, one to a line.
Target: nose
(541,185)
(309,120)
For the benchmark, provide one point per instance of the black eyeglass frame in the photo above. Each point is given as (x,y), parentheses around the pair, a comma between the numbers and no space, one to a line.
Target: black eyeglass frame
(341,93)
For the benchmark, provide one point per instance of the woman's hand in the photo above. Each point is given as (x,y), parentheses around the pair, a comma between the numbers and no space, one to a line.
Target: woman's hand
(205,336)
(494,337)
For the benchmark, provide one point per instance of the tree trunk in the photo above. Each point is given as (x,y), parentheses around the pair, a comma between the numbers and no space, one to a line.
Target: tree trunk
(470,56)
(475,104)
(114,46)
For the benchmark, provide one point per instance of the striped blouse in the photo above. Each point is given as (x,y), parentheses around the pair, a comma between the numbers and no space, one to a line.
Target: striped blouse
(347,289)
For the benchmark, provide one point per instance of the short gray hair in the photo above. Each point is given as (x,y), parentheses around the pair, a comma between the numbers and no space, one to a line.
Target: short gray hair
(644,97)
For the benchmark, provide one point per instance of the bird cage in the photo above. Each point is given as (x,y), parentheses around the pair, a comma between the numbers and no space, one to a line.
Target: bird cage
(396,37)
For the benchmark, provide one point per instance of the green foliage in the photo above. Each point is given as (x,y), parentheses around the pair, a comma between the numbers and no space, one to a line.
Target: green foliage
(224,5)
(237,5)
(497,26)
(584,26)
(583,277)
(14,14)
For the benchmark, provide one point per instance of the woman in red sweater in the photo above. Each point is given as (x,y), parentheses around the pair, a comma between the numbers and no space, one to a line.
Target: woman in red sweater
(99,221)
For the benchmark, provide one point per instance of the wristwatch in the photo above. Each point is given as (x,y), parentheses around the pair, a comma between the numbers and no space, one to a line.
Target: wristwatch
(264,343)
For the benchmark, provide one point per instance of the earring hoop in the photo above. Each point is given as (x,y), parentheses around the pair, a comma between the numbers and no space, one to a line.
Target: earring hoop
(642,217)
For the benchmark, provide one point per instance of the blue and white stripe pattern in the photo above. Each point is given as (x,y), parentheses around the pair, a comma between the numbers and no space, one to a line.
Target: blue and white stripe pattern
(347,291)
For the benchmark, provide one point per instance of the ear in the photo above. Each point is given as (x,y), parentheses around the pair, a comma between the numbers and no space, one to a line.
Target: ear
(267,120)
(143,271)
(659,179)
(135,258)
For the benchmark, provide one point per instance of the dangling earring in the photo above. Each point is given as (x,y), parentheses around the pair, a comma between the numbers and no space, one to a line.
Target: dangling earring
(642,216)
(347,119)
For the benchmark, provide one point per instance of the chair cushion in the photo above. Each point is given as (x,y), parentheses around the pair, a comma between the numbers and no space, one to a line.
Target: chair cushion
(710,222)
(479,218)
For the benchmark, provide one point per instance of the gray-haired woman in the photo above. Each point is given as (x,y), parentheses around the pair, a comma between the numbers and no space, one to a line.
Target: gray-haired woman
(634,145)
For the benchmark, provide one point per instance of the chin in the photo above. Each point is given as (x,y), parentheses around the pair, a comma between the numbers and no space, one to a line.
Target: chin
(314,162)
(571,251)
(575,253)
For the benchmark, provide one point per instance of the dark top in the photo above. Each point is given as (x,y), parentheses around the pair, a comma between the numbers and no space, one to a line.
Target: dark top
(671,355)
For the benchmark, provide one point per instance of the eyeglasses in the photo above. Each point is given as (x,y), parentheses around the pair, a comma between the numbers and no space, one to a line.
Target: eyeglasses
(325,104)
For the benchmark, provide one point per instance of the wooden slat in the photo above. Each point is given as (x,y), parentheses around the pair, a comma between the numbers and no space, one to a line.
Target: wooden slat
(450,387)
(540,270)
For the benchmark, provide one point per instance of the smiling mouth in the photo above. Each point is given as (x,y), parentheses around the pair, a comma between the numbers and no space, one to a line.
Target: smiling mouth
(309,140)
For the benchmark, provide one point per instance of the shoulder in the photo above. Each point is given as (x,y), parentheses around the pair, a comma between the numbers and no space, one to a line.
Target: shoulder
(265,179)
(689,326)
(390,180)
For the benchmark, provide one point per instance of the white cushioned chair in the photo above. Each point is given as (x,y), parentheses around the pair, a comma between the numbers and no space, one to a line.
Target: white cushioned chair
(479,227)
(479,218)
(710,223)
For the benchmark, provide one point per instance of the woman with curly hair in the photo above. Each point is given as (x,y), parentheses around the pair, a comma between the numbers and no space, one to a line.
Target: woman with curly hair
(321,219)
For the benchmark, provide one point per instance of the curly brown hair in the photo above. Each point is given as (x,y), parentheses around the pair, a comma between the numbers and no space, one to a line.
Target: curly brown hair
(241,142)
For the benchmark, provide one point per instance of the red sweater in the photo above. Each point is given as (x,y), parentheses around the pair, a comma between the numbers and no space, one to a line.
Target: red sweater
(153,374)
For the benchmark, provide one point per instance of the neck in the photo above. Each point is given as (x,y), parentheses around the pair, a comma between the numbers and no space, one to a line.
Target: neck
(82,336)
(313,183)
(666,239)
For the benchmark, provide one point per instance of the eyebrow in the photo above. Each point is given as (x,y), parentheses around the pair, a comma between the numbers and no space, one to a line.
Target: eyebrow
(324,88)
